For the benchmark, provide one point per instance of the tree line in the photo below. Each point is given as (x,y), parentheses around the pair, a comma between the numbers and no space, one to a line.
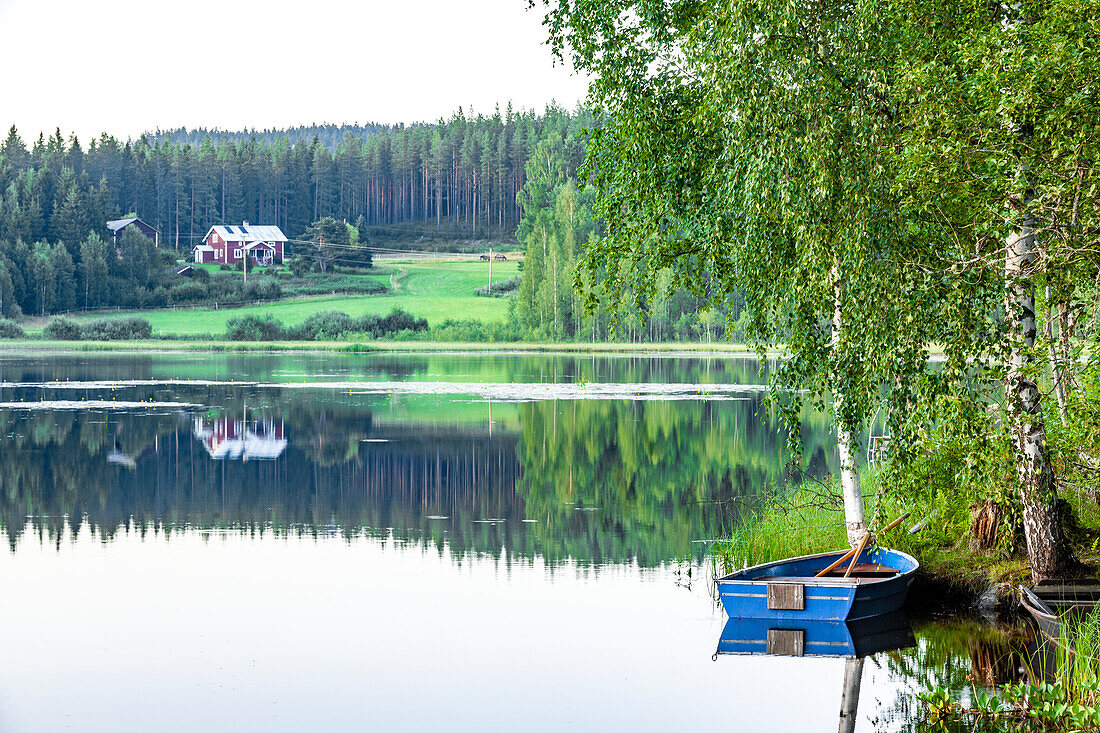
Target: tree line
(459,176)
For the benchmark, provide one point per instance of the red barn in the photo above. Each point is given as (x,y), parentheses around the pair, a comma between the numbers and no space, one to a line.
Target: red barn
(230,244)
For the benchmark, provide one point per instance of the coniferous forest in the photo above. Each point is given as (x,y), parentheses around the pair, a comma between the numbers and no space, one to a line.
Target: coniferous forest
(458,176)
(512,176)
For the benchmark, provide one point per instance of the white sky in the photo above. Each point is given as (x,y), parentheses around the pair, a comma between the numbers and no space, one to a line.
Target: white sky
(128,66)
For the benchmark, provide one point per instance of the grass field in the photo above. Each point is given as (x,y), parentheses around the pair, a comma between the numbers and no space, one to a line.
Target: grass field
(427,288)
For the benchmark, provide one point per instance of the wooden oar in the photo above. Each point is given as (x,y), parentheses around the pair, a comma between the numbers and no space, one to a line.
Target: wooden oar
(832,567)
(894,523)
(859,551)
(848,554)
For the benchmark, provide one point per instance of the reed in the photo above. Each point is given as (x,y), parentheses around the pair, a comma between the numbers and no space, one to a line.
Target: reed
(805,519)
(1078,666)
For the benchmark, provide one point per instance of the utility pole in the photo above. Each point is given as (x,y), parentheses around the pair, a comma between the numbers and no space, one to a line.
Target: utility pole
(244,251)
(490,293)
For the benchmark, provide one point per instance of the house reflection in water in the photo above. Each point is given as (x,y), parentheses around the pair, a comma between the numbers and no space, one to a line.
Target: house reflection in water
(245,440)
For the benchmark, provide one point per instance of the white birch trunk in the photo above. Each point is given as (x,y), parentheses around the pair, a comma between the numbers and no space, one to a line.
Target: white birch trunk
(849,473)
(1046,547)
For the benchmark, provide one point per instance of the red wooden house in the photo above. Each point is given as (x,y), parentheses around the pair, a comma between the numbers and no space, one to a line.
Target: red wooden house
(265,245)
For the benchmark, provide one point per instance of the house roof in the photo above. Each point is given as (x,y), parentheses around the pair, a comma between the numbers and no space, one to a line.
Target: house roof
(204,248)
(248,233)
(257,245)
(116,225)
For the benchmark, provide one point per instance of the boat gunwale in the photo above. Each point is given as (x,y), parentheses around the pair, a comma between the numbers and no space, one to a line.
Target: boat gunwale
(813,580)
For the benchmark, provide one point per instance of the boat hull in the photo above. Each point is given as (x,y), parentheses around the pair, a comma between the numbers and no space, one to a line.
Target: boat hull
(815,638)
(788,589)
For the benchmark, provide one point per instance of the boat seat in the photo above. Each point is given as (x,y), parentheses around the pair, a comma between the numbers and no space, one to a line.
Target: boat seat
(864,570)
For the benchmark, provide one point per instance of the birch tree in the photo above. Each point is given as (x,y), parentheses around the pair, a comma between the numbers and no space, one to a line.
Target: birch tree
(1001,111)
(744,150)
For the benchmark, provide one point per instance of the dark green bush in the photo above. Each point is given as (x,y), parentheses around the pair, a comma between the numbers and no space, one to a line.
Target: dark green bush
(187,292)
(11,330)
(264,288)
(62,329)
(399,320)
(125,328)
(323,326)
(254,328)
(326,325)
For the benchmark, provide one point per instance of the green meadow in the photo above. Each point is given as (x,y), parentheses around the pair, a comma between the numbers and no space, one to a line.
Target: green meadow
(434,289)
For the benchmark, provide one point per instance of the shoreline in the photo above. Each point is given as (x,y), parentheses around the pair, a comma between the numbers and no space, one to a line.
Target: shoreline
(214,345)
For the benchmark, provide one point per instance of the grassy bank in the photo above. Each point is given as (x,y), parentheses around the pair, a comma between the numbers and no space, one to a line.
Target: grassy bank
(155,345)
(809,518)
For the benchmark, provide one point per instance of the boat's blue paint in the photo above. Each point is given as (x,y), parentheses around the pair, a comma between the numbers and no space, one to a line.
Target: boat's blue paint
(820,638)
(744,593)
(750,636)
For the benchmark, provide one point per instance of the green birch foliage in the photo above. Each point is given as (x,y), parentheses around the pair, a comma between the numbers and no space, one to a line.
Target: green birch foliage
(746,151)
(1000,103)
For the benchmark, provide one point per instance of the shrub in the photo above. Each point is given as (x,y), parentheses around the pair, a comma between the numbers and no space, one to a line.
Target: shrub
(471,330)
(399,320)
(11,330)
(499,288)
(254,328)
(264,288)
(188,292)
(125,328)
(333,282)
(62,329)
(326,325)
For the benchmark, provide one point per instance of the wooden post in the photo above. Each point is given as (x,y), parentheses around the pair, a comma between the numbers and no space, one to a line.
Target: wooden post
(490,293)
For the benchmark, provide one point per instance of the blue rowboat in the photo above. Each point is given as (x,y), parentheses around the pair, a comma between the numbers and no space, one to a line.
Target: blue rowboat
(816,638)
(787,589)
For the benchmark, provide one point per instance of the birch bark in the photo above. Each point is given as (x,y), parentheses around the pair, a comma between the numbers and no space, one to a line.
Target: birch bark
(1046,546)
(849,474)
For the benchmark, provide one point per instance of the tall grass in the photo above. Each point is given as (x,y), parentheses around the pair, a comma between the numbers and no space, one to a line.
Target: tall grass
(809,518)
(802,520)
(1079,658)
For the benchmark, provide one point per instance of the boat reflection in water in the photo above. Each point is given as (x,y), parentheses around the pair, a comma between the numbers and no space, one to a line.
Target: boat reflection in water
(852,640)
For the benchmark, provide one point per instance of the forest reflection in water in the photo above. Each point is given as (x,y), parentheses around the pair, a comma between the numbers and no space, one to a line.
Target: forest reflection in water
(269,554)
(593,480)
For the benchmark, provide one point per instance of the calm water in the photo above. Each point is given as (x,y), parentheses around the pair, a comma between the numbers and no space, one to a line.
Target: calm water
(459,542)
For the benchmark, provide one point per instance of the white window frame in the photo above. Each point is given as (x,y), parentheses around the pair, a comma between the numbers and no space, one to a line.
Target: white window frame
(237,254)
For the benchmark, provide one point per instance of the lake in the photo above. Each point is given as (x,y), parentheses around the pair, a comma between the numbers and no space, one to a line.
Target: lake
(471,542)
